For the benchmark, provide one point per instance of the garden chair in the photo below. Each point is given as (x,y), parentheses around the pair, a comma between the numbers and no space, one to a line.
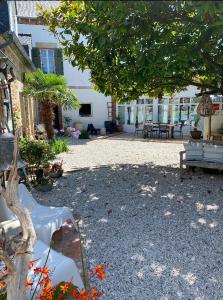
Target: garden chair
(163,130)
(110,127)
(147,130)
(138,130)
(46,219)
(179,129)
(62,268)
(92,130)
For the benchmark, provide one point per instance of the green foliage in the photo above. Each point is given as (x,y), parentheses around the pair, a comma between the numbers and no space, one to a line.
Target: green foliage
(35,152)
(49,87)
(143,47)
(67,120)
(84,135)
(3,297)
(59,146)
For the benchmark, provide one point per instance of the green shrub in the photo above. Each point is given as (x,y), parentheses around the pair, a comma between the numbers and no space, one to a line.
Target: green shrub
(84,135)
(35,152)
(59,146)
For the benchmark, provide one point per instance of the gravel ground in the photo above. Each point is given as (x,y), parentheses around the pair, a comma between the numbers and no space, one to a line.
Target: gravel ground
(162,238)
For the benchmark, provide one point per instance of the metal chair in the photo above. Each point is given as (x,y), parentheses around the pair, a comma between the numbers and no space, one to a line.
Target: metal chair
(92,129)
(138,130)
(148,130)
(163,129)
(179,129)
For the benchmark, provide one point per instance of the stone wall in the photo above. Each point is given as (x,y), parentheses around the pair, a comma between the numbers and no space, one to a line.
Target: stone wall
(23,107)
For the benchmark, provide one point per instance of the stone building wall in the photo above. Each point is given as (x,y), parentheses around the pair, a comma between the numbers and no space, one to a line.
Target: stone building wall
(24,108)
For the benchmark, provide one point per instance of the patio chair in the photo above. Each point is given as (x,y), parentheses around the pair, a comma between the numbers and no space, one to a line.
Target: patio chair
(178,129)
(92,130)
(138,130)
(110,127)
(147,130)
(46,219)
(63,268)
(163,130)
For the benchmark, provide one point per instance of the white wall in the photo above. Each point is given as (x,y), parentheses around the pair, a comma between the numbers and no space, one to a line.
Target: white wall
(41,34)
(75,78)
(98,104)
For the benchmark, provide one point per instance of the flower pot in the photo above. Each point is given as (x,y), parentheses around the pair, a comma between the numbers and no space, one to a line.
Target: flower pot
(196,134)
(57,174)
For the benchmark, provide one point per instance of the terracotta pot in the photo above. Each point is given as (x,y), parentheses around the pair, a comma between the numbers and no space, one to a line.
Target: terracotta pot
(196,134)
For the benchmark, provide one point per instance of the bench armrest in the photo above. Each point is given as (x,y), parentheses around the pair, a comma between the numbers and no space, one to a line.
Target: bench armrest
(181,157)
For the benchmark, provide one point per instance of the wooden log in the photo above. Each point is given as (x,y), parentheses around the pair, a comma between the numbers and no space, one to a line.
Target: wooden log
(23,246)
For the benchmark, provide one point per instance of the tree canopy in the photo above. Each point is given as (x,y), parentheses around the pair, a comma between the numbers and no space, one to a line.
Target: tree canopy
(143,47)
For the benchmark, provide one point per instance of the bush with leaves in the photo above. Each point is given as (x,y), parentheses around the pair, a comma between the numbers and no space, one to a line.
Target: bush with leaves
(84,135)
(59,146)
(36,153)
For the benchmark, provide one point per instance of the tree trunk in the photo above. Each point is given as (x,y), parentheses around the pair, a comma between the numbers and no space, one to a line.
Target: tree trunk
(16,282)
(23,247)
(47,118)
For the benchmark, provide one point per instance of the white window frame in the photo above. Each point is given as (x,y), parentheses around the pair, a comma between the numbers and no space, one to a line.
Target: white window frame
(47,59)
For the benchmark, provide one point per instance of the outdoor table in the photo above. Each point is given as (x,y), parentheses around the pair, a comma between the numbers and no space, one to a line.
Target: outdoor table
(171,130)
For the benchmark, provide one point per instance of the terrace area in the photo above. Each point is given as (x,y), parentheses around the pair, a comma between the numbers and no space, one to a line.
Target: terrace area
(159,234)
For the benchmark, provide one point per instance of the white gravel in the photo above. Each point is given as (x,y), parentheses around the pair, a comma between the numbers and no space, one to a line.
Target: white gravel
(161,237)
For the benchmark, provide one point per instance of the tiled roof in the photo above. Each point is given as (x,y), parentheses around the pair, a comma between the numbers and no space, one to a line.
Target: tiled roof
(27,9)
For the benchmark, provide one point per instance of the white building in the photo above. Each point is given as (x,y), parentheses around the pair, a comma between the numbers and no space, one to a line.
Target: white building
(45,51)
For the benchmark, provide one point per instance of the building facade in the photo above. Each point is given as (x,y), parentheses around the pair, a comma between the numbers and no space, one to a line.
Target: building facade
(18,109)
(45,51)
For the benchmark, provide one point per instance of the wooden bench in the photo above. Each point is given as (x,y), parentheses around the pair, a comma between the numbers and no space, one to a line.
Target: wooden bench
(198,163)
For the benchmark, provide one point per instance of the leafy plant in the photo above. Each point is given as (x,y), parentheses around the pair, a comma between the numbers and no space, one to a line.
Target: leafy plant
(67,120)
(59,146)
(57,166)
(84,135)
(143,47)
(49,89)
(35,153)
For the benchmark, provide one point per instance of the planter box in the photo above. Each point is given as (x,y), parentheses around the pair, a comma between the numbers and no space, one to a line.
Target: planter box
(194,151)
(213,153)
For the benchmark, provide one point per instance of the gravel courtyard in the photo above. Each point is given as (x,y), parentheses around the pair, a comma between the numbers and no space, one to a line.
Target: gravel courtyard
(162,238)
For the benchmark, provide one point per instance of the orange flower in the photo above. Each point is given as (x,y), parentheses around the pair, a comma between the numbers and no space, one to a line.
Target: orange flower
(95,293)
(64,288)
(32,263)
(28,283)
(100,272)
(37,270)
(45,271)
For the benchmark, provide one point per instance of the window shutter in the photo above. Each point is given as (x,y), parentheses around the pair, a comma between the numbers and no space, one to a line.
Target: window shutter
(36,57)
(59,61)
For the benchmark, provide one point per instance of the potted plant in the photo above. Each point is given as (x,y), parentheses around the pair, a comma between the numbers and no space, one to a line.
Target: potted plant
(44,184)
(56,170)
(195,133)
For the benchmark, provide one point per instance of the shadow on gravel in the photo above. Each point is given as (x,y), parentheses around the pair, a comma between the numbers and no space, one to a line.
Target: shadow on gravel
(161,237)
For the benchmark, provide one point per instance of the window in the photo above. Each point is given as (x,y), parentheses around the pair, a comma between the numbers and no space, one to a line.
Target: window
(47,60)
(149,113)
(121,114)
(26,47)
(85,110)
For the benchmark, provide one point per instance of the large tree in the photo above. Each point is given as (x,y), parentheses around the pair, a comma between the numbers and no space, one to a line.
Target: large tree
(49,89)
(138,47)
